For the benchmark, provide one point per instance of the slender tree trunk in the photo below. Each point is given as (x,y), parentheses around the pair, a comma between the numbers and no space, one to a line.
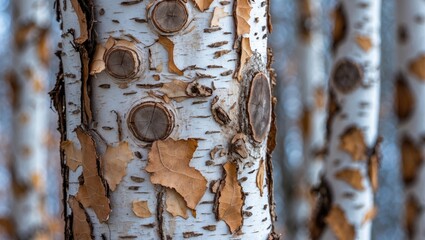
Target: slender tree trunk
(28,79)
(410,109)
(346,205)
(311,76)
(311,73)
(167,136)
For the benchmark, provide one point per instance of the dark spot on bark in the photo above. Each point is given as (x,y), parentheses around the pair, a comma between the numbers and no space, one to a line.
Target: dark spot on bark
(403,100)
(150,121)
(169,16)
(347,76)
(411,160)
(122,62)
(259,107)
(402,34)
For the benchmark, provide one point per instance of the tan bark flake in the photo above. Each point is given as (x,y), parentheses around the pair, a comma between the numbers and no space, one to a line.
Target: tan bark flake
(260,177)
(81,227)
(411,160)
(115,162)
(73,155)
(168,163)
(339,224)
(403,100)
(43,49)
(141,209)
(82,21)
(364,42)
(242,14)
(217,15)
(92,193)
(305,123)
(412,212)
(202,5)
(371,214)
(351,176)
(175,203)
(417,67)
(230,201)
(340,26)
(169,47)
(179,90)
(246,54)
(352,142)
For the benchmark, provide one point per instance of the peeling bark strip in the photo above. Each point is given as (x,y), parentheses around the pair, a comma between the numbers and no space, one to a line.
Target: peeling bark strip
(410,109)
(169,167)
(352,124)
(146,74)
(231,199)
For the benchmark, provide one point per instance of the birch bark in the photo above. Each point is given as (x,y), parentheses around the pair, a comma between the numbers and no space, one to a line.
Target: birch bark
(311,76)
(311,73)
(410,109)
(28,79)
(346,205)
(191,69)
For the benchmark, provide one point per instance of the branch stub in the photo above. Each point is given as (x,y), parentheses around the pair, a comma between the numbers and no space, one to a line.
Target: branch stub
(122,62)
(150,121)
(259,107)
(169,16)
(347,76)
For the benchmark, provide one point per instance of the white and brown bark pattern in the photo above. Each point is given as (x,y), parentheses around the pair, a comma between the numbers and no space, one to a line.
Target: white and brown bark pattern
(311,76)
(346,205)
(28,79)
(410,109)
(176,95)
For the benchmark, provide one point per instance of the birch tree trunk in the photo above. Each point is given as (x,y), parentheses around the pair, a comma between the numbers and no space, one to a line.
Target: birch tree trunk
(346,205)
(28,79)
(311,76)
(165,119)
(410,109)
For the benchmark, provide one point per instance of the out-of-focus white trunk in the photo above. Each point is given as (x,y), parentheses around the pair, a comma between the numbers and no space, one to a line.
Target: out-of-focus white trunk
(311,77)
(410,109)
(29,78)
(202,53)
(346,205)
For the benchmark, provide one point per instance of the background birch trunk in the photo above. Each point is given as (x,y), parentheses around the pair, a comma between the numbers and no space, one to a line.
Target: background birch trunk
(28,79)
(346,205)
(311,77)
(410,110)
(167,136)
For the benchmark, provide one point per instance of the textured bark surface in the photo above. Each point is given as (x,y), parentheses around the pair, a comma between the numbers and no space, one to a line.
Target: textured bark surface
(163,80)
(312,121)
(410,109)
(28,79)
(346,206)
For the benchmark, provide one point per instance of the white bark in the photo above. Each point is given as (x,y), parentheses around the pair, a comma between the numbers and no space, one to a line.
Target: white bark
(193,118)
(359,108)
(29,76)
(411,49)
(311,76)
